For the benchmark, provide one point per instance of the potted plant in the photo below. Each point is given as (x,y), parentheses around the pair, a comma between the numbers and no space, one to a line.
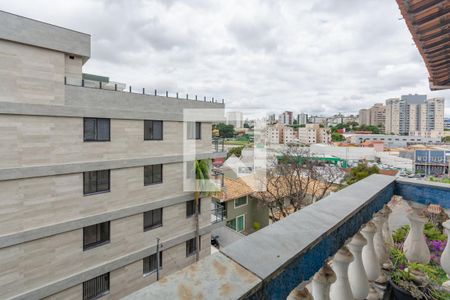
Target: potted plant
(408,280)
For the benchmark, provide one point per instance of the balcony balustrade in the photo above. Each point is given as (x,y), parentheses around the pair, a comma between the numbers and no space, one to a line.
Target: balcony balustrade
(336,248)
(218,144)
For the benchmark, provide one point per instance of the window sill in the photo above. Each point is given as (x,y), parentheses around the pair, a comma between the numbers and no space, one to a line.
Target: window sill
(154,183)
(100,141)
(99,296)
(96,193)
(92,246)
(152,227)
(156,140)
(151,272)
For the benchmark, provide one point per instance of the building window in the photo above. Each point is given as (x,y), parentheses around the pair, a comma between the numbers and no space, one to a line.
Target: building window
(153,219)
(153,130)
(191,246)
(153,174)
(194,130)
(96,130)
(96,235)
(96,287)
(96,181)
(240,202)
(151,263)
(190,207)
(238,223)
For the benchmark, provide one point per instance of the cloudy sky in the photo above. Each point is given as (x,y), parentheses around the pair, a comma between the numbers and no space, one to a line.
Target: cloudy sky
(317,56)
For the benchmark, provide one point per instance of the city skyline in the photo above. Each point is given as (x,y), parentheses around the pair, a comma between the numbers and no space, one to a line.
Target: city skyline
(238,48)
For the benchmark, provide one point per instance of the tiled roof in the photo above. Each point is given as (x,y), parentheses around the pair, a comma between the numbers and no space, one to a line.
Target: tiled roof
(233,189)
(428,21)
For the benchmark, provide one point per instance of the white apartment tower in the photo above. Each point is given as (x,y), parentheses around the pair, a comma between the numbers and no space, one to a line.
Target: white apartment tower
(415,115)
(89,177)
(235,118)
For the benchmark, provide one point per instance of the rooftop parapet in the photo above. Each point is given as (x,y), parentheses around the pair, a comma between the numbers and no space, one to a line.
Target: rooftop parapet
(40,34)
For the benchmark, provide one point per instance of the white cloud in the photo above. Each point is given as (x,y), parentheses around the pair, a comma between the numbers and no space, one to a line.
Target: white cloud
(317,56)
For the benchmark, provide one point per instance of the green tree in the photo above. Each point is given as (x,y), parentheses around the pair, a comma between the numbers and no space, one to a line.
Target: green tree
(337,137)
(446,139)
(237,151)
(225,131)
(361,171)
(201,175)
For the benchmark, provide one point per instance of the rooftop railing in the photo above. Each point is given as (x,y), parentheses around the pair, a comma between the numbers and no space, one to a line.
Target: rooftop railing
(348,228)
(218,144)
(121,87)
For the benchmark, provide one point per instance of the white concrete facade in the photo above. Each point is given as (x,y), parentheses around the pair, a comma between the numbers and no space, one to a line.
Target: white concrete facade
(43,157)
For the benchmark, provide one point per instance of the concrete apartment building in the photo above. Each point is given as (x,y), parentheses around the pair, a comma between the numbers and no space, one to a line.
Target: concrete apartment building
(286,118)
(302,119)
(314,134)
(415,115)
(375,116)
(235,118)
(89,177)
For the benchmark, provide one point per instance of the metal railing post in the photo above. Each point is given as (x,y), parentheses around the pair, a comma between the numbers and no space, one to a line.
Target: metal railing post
(156,92)
(143,91)
(115,87)
(130,88)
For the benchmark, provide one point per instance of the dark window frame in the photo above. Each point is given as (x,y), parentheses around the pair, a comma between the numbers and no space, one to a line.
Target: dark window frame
(197,131)
(153,224)
(97,191)
(86,288)
(191,247)
(96,139)
(190,208)
(146,261)
(150,123)
(101,240)
(153,174)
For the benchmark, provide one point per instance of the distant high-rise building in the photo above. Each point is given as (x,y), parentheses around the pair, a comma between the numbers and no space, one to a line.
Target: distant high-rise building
(302,118)
(415,115)
(286,118)
(364,116)
(271,119)
(235,118)
(375,116)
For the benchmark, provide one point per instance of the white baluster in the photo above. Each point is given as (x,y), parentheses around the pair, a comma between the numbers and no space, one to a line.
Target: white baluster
(369,257)
(300,293)
(386,230)
(445,257)
(321,283)
(340,290)
(378,240)
(356,273)
(417,250)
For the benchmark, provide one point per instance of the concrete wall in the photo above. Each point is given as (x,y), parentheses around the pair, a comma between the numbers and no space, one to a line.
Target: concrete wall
(30,75)
(33,264)
(28,31)
(56,140)
(36,202)
(130,278)
(351,153)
